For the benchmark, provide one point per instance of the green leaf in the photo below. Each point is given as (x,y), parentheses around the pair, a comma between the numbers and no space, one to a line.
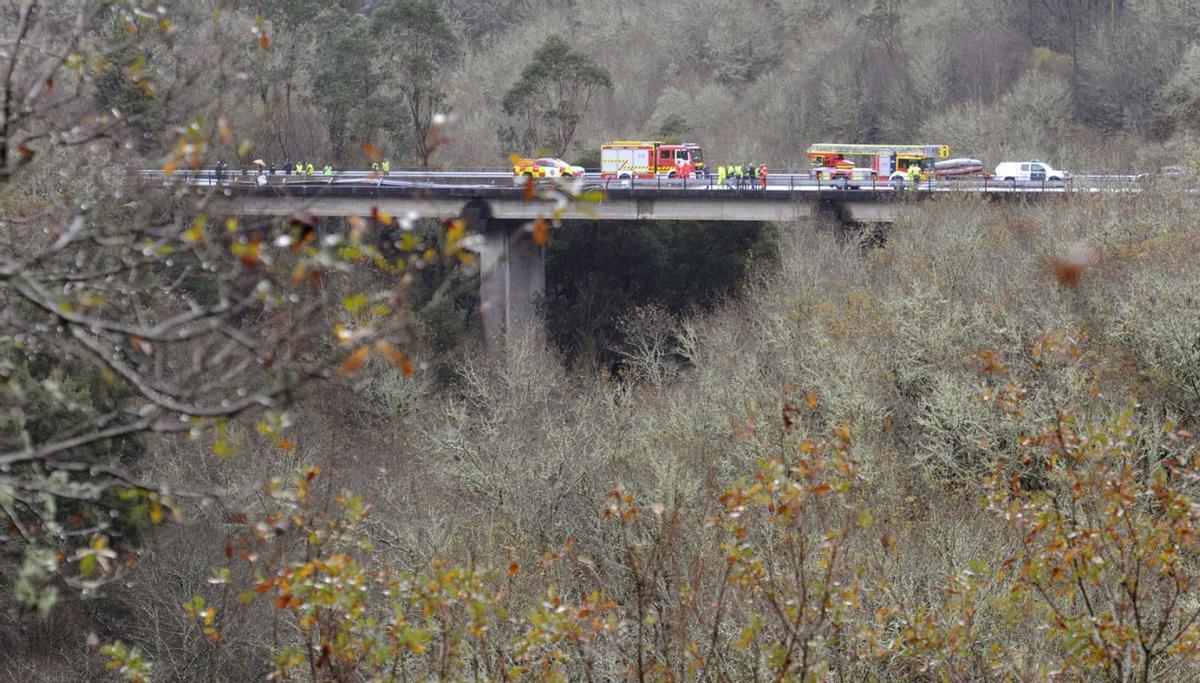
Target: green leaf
(355,303)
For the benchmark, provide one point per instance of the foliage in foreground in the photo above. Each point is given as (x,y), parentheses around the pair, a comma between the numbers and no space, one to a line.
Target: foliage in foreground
(789,580)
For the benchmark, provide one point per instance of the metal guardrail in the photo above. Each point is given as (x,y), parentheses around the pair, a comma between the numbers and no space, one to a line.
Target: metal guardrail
(775,182)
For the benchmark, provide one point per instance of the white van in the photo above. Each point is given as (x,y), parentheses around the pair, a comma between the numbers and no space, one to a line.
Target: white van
(1014,172)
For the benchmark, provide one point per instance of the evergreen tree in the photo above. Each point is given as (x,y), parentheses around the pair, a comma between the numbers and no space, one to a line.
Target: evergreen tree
(417,46)
(552,97)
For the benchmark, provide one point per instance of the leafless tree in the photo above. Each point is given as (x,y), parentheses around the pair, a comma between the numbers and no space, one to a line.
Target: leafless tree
(128,306)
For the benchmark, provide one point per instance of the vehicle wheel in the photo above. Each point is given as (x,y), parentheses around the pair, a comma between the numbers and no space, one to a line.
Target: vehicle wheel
(840,183)
(1011,183)
(1055,182)
(897,184)
(671,175)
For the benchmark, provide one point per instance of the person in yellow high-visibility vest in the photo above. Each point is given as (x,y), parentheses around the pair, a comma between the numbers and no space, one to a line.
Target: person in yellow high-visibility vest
(308,169)
(386,166)
(914,177)
(721,176)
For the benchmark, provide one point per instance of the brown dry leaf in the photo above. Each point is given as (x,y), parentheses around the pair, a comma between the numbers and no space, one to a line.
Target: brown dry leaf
(223,131)
(264,42)
(142,345)
(811,400)
(541,233)
(354,361)
(1067,273)
(358,227)
(371,151)
(528,193)
(396,357)
(1069,269)
(513,569)
(842,432)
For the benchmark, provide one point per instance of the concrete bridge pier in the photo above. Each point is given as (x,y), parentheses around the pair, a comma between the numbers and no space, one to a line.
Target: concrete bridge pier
(512,276)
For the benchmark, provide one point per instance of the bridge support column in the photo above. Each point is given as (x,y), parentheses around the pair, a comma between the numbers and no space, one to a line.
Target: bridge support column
(512,278)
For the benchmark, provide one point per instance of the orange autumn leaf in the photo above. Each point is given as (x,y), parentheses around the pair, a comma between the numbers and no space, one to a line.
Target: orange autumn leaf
(380,217)
(354,361)
(396,357)
(264,42)
(371,151)
(513,569)
(541,233)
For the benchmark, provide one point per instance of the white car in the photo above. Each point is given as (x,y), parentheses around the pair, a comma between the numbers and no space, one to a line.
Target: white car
(1015,172)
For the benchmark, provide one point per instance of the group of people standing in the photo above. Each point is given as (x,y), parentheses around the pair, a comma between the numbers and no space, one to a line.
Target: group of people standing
(742,176)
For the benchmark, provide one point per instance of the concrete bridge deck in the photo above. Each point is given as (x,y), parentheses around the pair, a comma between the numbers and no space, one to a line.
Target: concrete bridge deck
(512,268)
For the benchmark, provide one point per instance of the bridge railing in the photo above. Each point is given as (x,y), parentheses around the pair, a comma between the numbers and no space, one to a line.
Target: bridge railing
(775,182)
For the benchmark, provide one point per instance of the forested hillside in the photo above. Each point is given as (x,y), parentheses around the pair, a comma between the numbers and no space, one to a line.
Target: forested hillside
(762,80)
(959,447)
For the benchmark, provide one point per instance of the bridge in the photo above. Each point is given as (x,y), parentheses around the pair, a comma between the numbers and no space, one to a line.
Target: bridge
(497,205)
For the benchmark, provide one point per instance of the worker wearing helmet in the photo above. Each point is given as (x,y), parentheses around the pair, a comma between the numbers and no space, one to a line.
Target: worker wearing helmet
(914,177)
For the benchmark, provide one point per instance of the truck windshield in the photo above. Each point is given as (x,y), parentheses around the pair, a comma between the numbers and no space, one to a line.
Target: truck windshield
(697,157)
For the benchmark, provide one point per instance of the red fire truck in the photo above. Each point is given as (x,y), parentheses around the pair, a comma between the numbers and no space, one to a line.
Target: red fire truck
(836,162)
(648,159)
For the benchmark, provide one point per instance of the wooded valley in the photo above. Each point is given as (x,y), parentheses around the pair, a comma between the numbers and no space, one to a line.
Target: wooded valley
(958,447)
